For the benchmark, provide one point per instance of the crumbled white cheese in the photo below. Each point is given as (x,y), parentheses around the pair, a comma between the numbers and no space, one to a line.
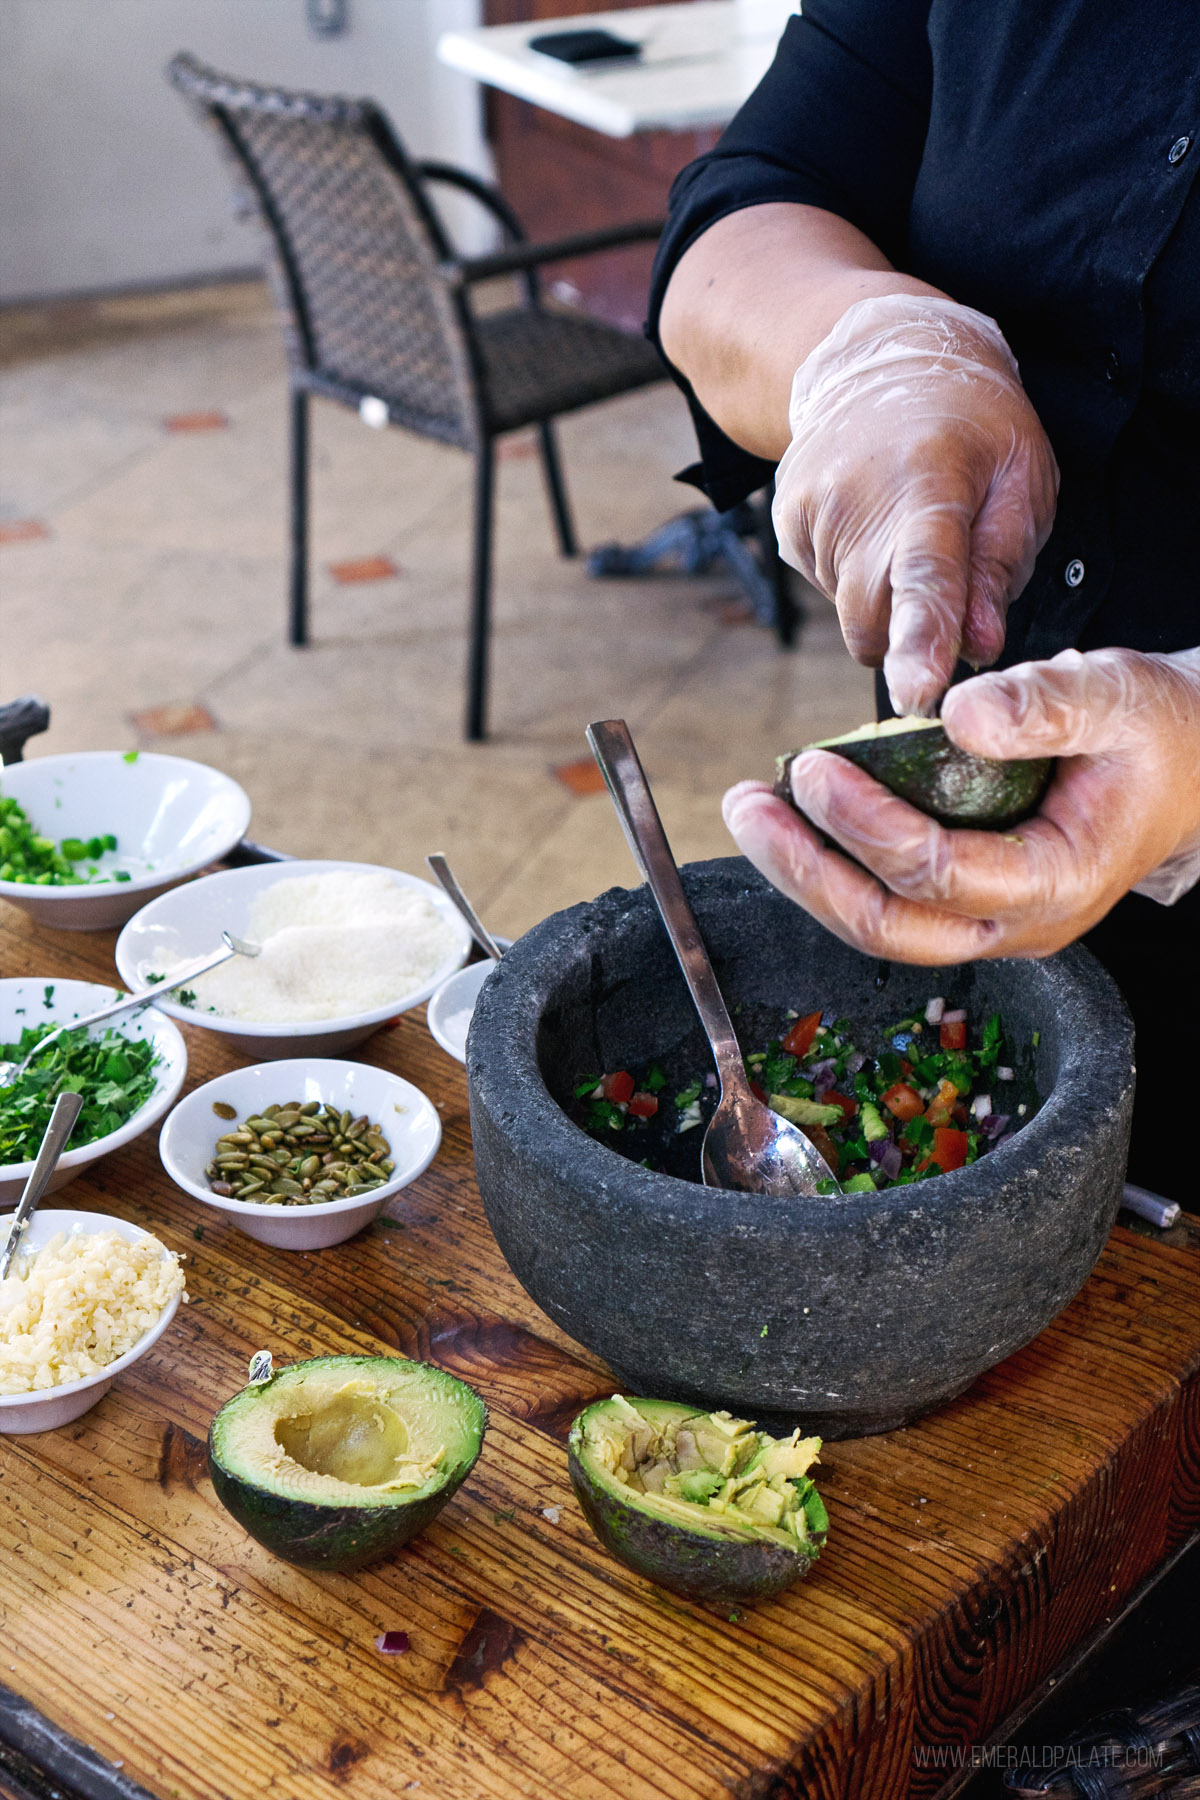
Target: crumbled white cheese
(333,945)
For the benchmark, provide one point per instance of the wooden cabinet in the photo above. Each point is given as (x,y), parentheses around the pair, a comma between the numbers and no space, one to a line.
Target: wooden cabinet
(562,177)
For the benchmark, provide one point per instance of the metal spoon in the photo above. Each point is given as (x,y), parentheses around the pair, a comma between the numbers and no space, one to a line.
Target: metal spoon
(746,1146)
(62,1122)
(479,931)
(234,946)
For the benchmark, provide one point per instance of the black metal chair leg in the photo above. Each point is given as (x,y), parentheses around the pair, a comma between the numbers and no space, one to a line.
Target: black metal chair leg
(481,593)
(789,614)
(298,597)
(556,488)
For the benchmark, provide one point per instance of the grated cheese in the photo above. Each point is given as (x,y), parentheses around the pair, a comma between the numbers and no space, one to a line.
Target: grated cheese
(79,1303)
(333,945)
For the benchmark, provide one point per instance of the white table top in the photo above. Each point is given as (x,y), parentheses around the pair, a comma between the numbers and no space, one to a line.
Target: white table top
(698,63)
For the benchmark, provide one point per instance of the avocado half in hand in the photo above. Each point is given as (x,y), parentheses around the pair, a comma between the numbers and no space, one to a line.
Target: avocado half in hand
(915,759)
(700,1502)
(334,1463)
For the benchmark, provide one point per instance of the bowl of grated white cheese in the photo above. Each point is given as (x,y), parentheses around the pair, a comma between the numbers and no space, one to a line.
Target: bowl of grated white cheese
(87,1295)
(345,948)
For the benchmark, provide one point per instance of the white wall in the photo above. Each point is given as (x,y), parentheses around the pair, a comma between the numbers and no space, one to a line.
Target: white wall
(106,178)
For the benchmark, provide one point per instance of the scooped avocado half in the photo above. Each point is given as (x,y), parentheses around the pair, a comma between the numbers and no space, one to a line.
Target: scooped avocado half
(915,759)
(334,1463)
(700,1502)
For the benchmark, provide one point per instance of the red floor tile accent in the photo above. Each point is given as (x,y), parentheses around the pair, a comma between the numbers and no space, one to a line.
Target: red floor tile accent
(196,421)
(174,721)
(582,777)
(22,531)
(363,568)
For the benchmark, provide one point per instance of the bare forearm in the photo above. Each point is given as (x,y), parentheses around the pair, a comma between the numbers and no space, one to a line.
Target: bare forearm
(750,299)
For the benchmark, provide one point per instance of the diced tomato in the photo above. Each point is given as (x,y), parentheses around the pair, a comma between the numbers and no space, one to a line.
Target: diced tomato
(760,1093)
(820,1139)
(941,1106)
(905,1066)
(833,1098)
(960,1115)
(903,1102)
(618,1086)
(799,1040)
(949,1149)
(643,1105)
(952,1035)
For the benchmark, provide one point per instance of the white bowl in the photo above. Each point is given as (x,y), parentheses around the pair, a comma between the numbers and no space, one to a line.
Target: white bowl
(169,816)
(408,1119)
(46,1408)
(451,1007)
(23,1002)
(189,921)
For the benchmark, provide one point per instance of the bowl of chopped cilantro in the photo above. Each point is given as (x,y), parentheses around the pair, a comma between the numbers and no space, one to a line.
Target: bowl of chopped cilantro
(130,1074)
(977,1115)
(87,839)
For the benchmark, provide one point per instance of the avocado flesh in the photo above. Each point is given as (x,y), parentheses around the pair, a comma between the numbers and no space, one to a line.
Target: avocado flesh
(337,1461)
(917,760)
(700,1502)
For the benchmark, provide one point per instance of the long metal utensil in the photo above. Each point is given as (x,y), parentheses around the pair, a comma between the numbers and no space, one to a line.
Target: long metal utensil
(62,1122)
(234,946)
(440,868)
(746,1146)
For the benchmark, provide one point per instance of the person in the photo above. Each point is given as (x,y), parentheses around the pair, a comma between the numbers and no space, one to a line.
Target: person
(942,276)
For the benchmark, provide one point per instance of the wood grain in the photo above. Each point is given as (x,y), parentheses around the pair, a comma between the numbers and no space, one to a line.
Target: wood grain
(968,1557)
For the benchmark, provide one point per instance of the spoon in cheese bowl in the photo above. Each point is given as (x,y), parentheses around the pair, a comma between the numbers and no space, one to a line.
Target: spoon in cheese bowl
(131,1003)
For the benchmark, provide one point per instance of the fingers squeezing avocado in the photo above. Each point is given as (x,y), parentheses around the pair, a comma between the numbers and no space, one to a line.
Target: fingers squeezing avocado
(699,1502)
(916,760)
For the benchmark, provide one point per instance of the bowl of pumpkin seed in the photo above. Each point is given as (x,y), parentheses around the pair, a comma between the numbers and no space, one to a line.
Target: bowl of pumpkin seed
(300,1153)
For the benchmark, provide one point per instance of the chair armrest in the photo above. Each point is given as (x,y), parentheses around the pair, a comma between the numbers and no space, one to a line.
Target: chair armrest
(487,195)
(20,720)
(532,256)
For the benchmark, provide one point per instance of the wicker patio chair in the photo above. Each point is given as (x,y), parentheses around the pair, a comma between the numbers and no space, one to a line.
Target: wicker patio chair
(377,307)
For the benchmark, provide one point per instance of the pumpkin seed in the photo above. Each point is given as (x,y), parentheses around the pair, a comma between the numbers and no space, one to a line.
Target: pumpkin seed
(223,1109)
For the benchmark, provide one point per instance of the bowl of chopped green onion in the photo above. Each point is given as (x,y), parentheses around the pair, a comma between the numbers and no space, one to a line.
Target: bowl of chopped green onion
(87,839)
(130,1073)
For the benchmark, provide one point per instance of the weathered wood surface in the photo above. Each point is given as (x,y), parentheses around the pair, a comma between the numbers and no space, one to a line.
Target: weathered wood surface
(968,1555)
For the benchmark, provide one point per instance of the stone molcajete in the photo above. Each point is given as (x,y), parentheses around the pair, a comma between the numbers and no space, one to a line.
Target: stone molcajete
(852,1314)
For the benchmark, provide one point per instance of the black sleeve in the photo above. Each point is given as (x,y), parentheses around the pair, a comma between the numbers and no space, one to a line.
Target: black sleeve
(838,121)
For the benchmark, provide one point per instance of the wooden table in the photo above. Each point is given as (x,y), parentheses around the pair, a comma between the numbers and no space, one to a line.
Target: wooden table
(969,1556)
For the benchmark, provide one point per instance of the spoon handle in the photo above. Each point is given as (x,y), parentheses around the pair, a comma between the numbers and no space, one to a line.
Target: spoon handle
(612,746)
(483,937)
(62,1123)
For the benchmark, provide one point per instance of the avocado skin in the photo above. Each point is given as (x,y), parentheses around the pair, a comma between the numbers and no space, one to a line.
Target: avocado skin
(338,1538)
(948,784)
(697,1564)
(323,1535)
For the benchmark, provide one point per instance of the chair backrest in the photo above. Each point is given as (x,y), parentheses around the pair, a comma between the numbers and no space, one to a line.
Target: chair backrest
(354,249)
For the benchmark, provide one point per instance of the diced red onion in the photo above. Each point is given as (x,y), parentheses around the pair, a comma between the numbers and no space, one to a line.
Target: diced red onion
(1004,1074)
(957,1017)
(710,1079)
(1007,1138)
(854,1063)
(392,1643)
(886,1156)
(994,1124)
(821,1075)
(934,1010)
(981,1105)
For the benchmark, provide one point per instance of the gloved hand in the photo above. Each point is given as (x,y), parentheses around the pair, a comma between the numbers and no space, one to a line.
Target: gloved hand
(917,489)
(1123,811)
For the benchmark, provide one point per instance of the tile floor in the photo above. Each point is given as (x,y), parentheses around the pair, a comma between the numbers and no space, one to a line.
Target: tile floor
(142,572)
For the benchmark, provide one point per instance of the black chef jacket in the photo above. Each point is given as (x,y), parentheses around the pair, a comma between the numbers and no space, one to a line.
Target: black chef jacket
(1038,162)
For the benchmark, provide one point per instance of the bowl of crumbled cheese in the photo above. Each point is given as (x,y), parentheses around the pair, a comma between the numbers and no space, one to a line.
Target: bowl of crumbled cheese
(345,948)
(86,1296)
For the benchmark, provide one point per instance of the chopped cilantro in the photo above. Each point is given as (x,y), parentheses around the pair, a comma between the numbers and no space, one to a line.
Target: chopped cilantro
(113,1073)
(130,756)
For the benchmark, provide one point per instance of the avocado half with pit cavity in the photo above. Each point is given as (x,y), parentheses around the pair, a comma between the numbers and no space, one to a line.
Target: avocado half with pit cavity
(915,759)
(700,1502)
(334,1463)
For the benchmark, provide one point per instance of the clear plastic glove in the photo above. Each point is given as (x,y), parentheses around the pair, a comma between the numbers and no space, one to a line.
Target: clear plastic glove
(917,489)
(1122,812)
